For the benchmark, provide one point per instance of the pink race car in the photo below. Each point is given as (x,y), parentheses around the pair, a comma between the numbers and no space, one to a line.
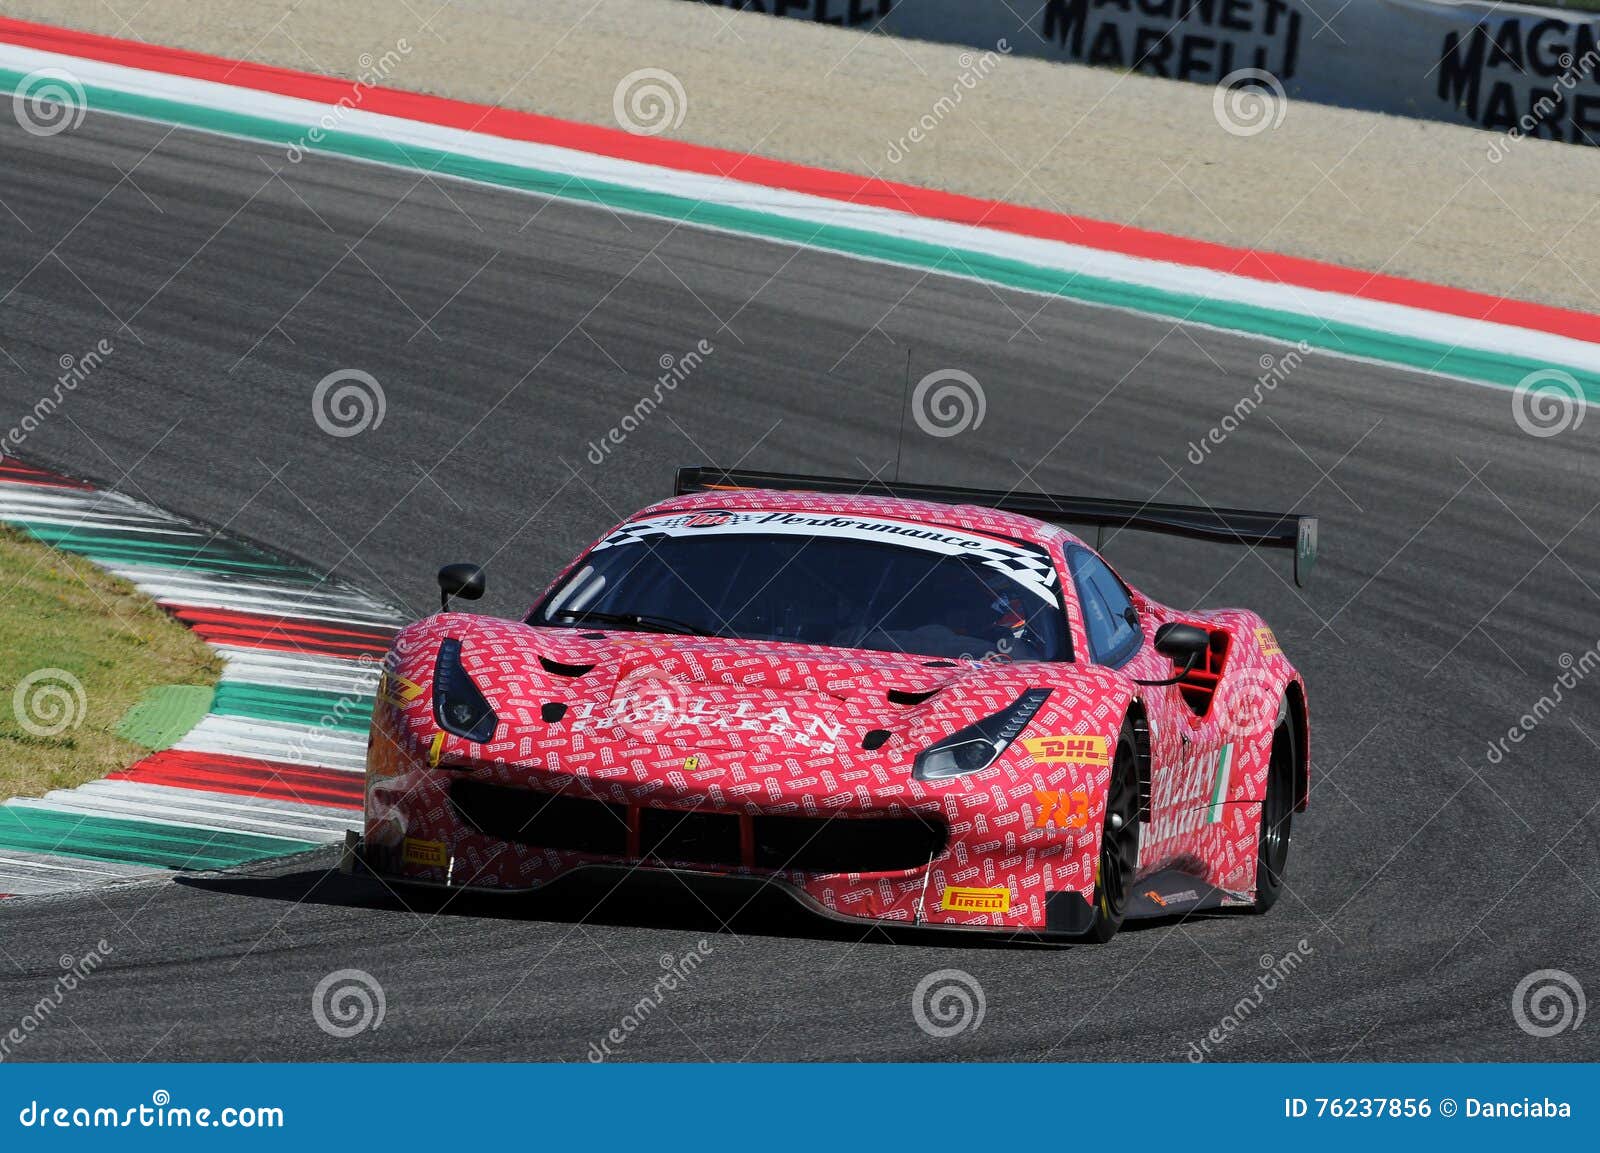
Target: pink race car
(906,704)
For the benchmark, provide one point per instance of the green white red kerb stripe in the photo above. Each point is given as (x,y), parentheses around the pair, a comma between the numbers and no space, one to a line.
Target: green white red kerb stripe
(275,766)
(1430,328)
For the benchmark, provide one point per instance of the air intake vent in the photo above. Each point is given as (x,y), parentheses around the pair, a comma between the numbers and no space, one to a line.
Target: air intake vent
(558,669)
(835,843)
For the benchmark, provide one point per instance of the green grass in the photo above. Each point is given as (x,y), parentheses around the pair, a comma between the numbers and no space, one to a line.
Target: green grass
(68,624)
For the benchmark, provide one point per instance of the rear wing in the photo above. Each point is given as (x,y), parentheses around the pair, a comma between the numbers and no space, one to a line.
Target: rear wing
(1285,530)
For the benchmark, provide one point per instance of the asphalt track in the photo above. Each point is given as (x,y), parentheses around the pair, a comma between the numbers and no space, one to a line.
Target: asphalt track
(1461,558)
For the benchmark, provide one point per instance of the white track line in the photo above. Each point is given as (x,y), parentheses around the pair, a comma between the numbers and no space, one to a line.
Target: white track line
(279,741)
(206,810)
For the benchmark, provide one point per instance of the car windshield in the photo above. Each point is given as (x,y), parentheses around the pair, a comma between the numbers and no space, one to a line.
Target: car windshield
(848,582)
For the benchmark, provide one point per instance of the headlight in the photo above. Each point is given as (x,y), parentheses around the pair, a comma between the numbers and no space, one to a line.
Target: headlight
(978,746)
(458,706)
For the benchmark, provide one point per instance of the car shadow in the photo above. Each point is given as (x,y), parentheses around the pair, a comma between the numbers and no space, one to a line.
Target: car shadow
(643,900)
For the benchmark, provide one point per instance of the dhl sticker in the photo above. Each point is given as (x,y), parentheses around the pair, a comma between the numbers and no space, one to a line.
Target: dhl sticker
(396,690)
(435,749)
(430,854)
(1268,642)
(1065,749)
(959,900)
(1069,810)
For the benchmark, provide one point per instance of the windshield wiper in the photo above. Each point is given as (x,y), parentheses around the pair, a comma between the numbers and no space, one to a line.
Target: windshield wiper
(644,622)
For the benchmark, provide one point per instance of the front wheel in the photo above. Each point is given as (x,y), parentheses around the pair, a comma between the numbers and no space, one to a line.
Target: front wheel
(1119,842)
(1277,814)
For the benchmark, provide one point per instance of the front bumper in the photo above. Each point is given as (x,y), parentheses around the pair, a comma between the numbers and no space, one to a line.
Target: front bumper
(968,855)
(1068,914)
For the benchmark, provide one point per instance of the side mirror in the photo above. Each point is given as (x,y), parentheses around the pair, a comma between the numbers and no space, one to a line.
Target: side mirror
(459,580)
(1183,645)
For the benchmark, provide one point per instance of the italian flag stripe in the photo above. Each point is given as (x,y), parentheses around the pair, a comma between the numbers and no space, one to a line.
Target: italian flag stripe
(1219,789)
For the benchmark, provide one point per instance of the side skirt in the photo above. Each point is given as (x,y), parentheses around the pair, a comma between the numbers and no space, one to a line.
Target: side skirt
(1172,892)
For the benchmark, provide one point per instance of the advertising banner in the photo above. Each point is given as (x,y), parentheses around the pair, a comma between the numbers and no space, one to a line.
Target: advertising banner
(1508,68)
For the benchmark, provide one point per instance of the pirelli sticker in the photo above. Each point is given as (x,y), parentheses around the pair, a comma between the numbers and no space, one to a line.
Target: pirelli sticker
(1069,750)
(959,900)
(429,854)
(1268,642)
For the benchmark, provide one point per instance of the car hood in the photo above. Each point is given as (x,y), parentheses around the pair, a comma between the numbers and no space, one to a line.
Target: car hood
(564,693)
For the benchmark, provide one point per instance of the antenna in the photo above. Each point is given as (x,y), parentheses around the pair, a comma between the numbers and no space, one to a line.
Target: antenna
(905,403)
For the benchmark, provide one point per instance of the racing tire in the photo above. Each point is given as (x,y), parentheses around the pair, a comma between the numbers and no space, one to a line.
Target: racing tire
(1119,843)
(1277,814)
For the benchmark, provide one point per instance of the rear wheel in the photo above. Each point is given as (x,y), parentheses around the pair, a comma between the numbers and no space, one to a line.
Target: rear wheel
(1119,843)
(1277,814)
